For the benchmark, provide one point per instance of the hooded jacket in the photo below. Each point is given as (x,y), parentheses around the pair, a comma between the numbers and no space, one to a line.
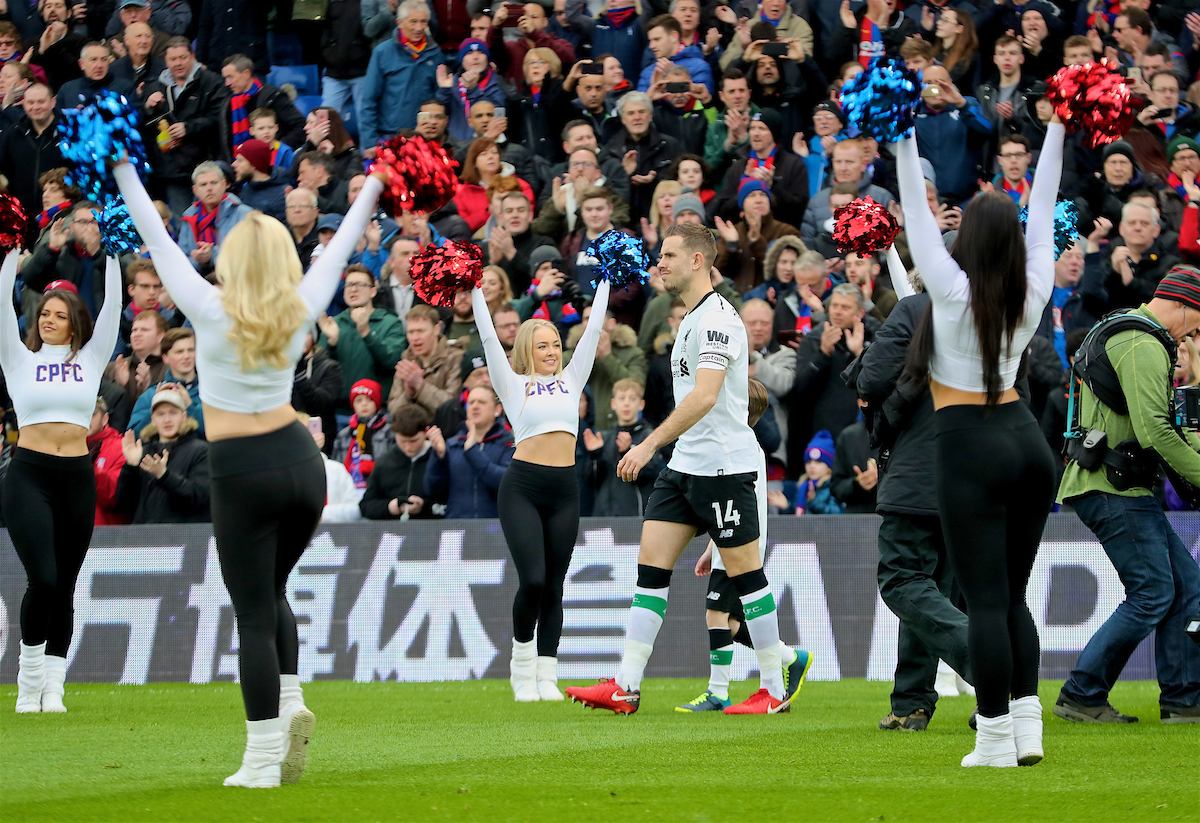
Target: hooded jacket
(268,196)
(775,250)
(395,86)
(108,458)
(625,43)
(179,496)
(139,418)
(396,477)
(741,264)
(615,497)
(468,480)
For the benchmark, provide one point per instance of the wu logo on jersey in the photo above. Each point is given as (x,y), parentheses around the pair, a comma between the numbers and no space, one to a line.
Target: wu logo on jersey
(718,337)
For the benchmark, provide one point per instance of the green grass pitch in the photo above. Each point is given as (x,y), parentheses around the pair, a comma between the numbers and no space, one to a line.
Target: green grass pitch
(466,751)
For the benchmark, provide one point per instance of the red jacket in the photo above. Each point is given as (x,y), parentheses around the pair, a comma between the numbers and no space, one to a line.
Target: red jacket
(473,206)
(107,461)
(1189,234)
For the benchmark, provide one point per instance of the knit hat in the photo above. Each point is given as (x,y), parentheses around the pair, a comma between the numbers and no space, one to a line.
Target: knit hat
(771,119)
(370,388)
(257,154)
(1182,284)
(471,361)
(1117,147)
(543,254)
(65,285)
(820,448)
(473,44)
(172,396)
(1054,23)
(1178,144)
(749,185)
(832,108)
(688,201)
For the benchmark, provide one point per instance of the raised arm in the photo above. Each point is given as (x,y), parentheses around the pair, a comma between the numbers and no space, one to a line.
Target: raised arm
(323,276)
(938,270)
(186,286)
(501,374)
(580,367)
(1039,227)
(12,349)
(900,282)
(108,321)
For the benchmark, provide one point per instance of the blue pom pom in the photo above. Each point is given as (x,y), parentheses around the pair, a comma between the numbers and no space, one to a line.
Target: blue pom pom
(117,232)
(1066,225)
(93,135)
(880,101)
(621,259)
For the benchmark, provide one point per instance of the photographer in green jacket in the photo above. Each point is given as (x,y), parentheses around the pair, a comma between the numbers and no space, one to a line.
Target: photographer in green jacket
(1162,581)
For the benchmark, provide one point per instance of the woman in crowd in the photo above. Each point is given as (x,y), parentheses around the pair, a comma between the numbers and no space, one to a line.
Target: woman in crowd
(662,214)
(268,480)
(324,130)
(496,289)
(480,170)
(541,107)
(995,472)
(692,173)
(49,494)
(957,47)
(539,496)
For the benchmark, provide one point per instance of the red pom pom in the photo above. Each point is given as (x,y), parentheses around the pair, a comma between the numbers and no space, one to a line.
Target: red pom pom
(421,175)
(1092,98)
(12,223)
(864,227)
(440,272)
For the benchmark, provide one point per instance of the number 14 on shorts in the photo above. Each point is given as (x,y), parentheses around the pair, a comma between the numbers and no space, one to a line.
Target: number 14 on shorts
(732,516)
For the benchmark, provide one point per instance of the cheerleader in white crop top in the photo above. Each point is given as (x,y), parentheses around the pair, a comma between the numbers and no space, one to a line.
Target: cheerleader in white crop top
(49,493)
(539,495)
(995,473)
(268,479)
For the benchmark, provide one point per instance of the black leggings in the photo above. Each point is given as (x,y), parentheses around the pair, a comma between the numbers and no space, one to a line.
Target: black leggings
(267,495)
(50,508)
(539,512)
(995,486)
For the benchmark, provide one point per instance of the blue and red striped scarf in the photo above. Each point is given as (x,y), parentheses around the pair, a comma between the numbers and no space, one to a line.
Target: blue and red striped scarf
(617,18)
(462,90)
(413,47)
(44,219)
(569,315)
(204,226)
(1176,183)
(241,117)
(1015,192)
(753,162)
(870,42)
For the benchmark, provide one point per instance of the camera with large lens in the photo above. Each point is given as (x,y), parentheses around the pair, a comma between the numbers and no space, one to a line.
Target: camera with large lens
(1185,407)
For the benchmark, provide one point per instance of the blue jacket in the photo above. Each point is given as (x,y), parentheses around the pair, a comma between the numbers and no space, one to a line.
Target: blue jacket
(469,480)
(395,86)
(626,43)
(460,129)
(230,212)
(950,139)
(268,196)
(140,417)
(691,58)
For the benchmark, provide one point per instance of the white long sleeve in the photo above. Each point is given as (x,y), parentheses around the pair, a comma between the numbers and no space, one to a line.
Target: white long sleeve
(579,369)
(900,282)
(323,277)
(108,321)
(12,349)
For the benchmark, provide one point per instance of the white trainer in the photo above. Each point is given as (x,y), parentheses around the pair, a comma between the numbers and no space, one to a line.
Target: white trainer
(1026,714)
(547,679)
(994,744)
(946,682)
(31,678)
(262,760)
(56,677)
(522,672)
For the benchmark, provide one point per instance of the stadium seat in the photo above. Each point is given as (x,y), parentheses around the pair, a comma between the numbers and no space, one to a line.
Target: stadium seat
(306,79)
(307,102)
(285,49)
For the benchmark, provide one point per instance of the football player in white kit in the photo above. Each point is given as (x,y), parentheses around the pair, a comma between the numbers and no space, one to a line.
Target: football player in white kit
(708,485)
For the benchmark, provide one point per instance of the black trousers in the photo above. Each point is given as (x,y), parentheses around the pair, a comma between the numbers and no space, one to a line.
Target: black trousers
(267,495)
(916,582)
(50,507)
(539,513)
(995,486)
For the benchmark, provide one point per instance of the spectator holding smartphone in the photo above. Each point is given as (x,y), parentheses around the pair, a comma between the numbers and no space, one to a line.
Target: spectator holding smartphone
(396,489)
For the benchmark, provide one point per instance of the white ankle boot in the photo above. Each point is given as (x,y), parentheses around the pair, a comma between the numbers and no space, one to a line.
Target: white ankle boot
(522,672)
(1026,716)
(31,678)
(547,679)
(945,683)
(994,744)
(264,752)
(53,691)
(297,724)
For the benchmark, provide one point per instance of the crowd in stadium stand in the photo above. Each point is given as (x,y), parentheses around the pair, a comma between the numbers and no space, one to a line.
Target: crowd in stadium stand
(570,118)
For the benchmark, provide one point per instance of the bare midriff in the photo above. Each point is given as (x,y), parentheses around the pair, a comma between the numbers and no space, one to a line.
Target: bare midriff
(946,396)
(548,449)
(57,439)
(221,424)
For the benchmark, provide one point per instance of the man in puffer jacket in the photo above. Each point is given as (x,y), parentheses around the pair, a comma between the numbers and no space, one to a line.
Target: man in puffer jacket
(466,470)
(165,478)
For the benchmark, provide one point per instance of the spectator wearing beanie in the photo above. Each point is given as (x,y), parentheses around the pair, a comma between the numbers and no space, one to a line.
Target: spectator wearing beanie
(367,436)
(552,295)
(396,489)
(743,245)
(165,478)
(814,492)
(1120,176)
(764,158)
(262,186)
(1183,157)
(474,81)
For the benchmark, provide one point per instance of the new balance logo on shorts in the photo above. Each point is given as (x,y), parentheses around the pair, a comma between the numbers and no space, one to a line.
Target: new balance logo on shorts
(714,595)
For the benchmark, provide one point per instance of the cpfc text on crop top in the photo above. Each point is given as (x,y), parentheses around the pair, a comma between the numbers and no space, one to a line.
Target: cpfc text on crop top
(224,384)
(47,386)
(956,361)
(542,403)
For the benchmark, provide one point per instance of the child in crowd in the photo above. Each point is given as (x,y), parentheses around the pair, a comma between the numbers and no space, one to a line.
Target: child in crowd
(614,497)
(814,494)
(779,269)
(264,126)
(396,489)
(367,437)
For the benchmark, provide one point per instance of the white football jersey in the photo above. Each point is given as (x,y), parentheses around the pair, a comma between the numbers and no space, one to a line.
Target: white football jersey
(712,336)
(760,494)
